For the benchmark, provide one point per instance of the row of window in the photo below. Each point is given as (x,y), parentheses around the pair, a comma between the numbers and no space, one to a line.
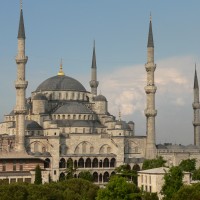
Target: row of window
(74,117)
(97,178)
(145,179)
(81,163)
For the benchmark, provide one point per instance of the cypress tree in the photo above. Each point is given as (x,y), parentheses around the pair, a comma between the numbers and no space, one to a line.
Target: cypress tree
(38,175)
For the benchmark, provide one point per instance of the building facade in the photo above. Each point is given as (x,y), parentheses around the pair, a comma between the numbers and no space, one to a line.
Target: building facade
(62,122)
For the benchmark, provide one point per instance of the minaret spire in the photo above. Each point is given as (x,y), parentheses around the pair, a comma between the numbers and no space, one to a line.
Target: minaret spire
(150,90)
(94,83)
(20,85)
(196,108)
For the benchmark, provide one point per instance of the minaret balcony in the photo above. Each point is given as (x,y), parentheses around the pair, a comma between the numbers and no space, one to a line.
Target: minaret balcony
(150,67)
(150,89)
(21,84)
(195,123)
(94,84)
(19,111)
(196,105)
(21,59)
(150,112)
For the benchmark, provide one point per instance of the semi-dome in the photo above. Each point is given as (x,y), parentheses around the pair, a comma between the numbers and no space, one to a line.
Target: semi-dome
(100,97)
(73,108)
(61,83)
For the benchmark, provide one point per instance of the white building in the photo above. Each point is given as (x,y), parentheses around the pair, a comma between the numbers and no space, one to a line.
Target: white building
(152,180)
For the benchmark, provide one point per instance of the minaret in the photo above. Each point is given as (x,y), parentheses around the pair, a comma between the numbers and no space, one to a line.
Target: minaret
(20,85)
(150,90)
(196,107)
(94,83)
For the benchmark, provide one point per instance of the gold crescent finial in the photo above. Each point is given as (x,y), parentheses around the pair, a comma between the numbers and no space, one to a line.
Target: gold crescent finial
(61,73)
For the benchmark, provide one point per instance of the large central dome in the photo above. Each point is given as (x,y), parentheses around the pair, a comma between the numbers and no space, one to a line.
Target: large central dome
(61,83)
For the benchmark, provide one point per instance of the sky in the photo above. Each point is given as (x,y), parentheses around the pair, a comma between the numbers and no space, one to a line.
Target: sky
(66,29)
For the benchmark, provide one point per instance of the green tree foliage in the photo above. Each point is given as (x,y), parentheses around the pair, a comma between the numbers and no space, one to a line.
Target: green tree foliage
(119,189)
(73,189)
(153,163)
(173,182)
(70,170)
(188,192)
(196,174)
(86,175)
(149,196)
(188,165)
(38,175)
(127,172)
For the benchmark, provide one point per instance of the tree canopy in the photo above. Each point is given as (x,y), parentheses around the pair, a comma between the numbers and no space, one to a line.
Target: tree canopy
(38,175)
(173,181)
(119,189)
(188,165)
(153,163)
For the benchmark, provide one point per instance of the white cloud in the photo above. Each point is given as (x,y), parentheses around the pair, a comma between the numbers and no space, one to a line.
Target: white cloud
(124,88)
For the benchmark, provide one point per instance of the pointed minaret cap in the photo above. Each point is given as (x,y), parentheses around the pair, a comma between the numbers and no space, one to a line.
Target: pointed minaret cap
(196,85)
(61,73)
(21,31)
(94,65)
(150,36)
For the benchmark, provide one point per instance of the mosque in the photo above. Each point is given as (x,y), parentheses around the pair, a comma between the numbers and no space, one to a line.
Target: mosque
(61,123)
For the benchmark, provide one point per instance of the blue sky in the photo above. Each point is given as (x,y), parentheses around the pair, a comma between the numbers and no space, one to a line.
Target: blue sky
(66,29)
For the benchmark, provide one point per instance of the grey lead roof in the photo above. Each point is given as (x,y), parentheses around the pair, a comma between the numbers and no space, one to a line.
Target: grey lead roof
(73,108)
(150,36)
(61,83)
(196,85)
(21,31)
(100,97)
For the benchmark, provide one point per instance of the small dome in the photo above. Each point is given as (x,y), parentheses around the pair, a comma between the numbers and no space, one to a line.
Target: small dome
(73,108)
(61,83)
(100,98)
(32,125)
(131,122)
(39,97)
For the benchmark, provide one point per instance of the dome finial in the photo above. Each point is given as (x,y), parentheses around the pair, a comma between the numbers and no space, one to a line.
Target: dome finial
(61,73)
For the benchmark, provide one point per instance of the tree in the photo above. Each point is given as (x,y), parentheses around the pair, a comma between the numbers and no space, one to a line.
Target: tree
(173,180)
(188,192)
(188,165)
(153,163)
(86,175)
(119,189)
(149,196)
(70,170)
(38,175)
(125,171)
(196,174)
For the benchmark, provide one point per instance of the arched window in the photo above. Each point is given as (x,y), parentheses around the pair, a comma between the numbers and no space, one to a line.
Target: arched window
(36,147)
(81,163)
(66,95)
(79,117)
(106,162)
(112,162)
(95,163)
(47,163)
(83,130)
(74,116)
(62,177)
(68,117)
(95,177)
(43,149)
(62,163)
(58,116)
(100,178)
(91,149)
(136,167)
(106,177)
(75,164)
(112,174)
(63,116)
(88,163)
(84,147)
